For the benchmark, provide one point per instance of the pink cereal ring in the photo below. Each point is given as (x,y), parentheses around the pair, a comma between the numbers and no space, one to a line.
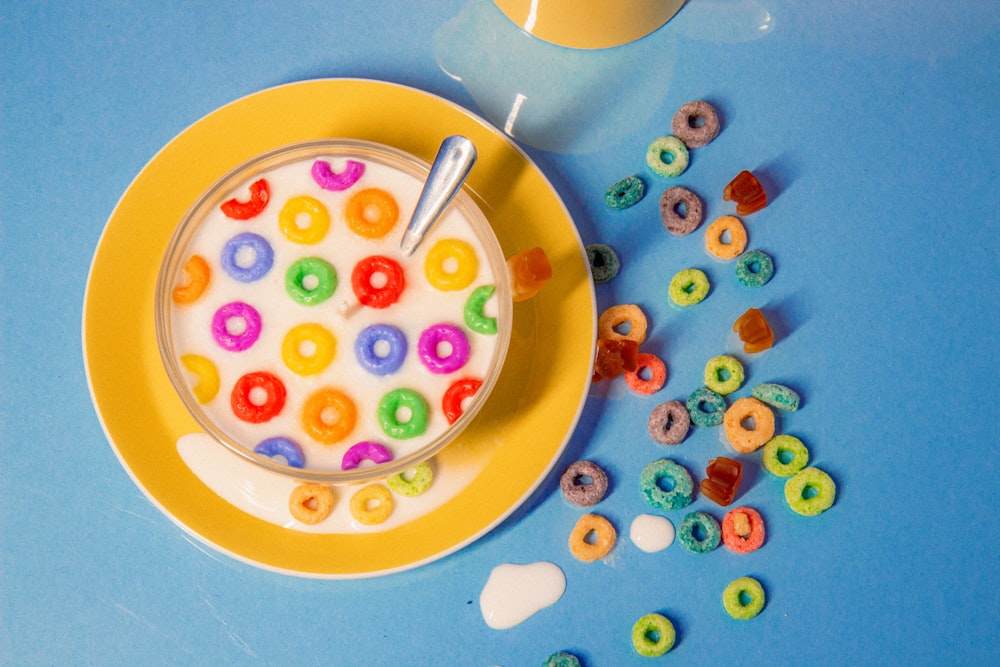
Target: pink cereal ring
(367,450)
(657,374)
(226,335)
(740,520)
(328,179)
(447,335)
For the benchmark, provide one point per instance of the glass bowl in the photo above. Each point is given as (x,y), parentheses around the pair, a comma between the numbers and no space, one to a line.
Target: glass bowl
(280,315)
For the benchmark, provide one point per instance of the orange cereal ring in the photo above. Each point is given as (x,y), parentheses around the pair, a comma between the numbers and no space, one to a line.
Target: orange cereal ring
(197,275)
(657,374)
(371,213)
(329,415)
(743,530)
(372,504)
(312,208)
(737,237)
(616,316)
(740,435)
(310,503)
(583,546)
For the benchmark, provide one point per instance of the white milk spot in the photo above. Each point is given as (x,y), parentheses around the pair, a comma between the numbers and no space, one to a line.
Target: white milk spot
(513,592)
(651,533)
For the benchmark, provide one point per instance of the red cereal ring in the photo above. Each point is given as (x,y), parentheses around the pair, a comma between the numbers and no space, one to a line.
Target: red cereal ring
(246,402)
(375,295)
(657,370)
(459,390)
(745,520)
(244,210)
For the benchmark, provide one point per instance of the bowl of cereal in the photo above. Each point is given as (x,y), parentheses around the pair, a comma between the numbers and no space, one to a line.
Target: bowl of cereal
(300,336)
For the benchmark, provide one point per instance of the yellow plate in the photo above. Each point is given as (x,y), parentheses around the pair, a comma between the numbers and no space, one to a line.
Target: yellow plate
(517,438)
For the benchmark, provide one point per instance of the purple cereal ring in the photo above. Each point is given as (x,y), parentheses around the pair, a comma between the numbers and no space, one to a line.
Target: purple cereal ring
(432,337)
(677,223)
(371,451)
(241,340)
(695,123)
(584,483)
(669,423)
(328,179)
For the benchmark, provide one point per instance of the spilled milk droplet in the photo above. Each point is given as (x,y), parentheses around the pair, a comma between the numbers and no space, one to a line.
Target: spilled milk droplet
(513,592)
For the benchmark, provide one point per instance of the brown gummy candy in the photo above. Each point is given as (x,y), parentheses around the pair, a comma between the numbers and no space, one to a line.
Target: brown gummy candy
(529,270)
(754,331)
(747,192)
(615,357)
(722,481)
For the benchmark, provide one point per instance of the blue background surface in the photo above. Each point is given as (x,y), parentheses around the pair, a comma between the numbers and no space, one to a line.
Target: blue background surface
(874,127)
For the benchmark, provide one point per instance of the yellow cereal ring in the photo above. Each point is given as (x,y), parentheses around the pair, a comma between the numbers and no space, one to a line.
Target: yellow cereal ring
(438,265)
(319,220)
(371,213)
(329,415)
(737,237)
(615,316)
(372,504)
(208,377)
(311,503)
(741,437)
(301,360)
(603,531)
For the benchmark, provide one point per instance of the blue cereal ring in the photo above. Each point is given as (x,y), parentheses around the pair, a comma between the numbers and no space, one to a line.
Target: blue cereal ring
(706,407)
(282,447)
(624,193)
(683,486)
(262,262)
(754,268)
(706,525)
(364,349)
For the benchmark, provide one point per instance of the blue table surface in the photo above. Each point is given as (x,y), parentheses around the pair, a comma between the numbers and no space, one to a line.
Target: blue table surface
(874,126)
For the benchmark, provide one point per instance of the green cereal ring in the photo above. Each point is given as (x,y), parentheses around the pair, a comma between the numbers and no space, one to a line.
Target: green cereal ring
(653,635)
(777,448)
(812,480)
(754,268)
(732,598)
(706,407)
(389,406)
(604,264)
(688,287)
(677,497)
(474,317)
(724,374)
(561,659)
(625,193)
(667,157)
(310,281)
(776,395)
(709,528)
(420,480)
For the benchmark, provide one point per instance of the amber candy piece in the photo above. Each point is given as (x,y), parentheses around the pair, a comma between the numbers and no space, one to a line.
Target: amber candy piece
(754,331)
(747,192)
(528,272)
(614,357)
(722,481)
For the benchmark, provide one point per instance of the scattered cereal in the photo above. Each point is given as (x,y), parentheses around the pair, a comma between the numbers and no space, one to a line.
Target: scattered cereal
(776,395)
(681,489)
(624,193)
(748,424)
(592,538)
(688,287)
(657,374)
(727,225)
(653,635)
(604,263)
(699,533)
(681,210)
(310,503)
(732,598)
(724,374)
(584,483)
(561,659)
(816,484)
(412,482)
(696,124)
(669,423)
(667,157)
(743,530)
(372,504)
(754,268)
(784,455)
(617,316)
(706,407)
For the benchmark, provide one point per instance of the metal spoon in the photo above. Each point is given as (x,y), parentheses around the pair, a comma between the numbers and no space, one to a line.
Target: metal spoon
(454,159)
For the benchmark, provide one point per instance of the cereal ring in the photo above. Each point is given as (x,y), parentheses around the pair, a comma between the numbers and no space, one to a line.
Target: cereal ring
(784,455)
(456,394)
(604,264)
(696,124)
(616,316)
(732,598)
(284,447)
(451,265)
(248,405)
(776,395)
(311,208)
(699,533)
(236,326)
(372,504)
(329,416)
(706,407)
(746,539)
(681,493)
(473,313)
(328,179)
(412,482)
(624,193)
(372,451)
(806,482)
(657,374)
(724,374)
(603,532)
(371,213)
(438,336)
(688,287)
(310,503)
(377,281)
(381,349)
(742,438)
(259,196)
(391,420)
(561,659)
(238,265)
(668,423)
(667,157)
(726,225)
(310,281)
(208,376)
(197,275)
(653,635)
(308,349)
(754,268)
(583,483)
(681,221)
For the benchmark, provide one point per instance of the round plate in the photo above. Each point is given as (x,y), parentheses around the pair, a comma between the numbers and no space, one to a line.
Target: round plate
(516,439)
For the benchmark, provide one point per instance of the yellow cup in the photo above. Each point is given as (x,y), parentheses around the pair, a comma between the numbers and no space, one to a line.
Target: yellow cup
(589,24)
